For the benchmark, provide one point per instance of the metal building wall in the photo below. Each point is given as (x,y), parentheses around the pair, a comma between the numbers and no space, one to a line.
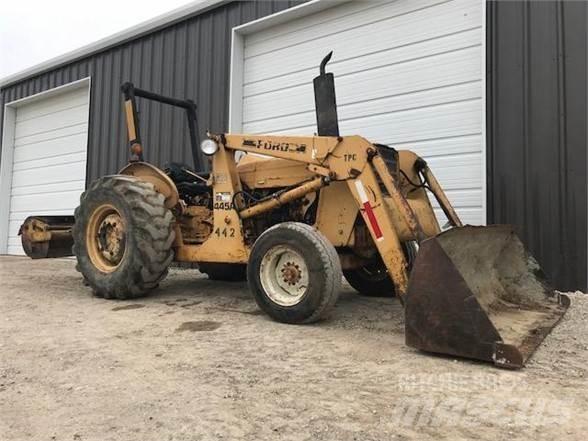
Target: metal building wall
(536,111)
(537,130)
(188,59)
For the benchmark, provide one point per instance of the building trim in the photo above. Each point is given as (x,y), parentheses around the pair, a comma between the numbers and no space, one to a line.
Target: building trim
(146,27)
(6,173)
(8,149)
(484,117)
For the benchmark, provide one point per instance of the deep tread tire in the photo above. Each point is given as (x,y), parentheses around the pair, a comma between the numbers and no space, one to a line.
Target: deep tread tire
(149,237)
(323,265)
(367,285)
(377,286)
(226,272)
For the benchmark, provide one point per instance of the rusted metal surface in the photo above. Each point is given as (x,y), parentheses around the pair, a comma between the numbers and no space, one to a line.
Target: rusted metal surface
(47,236)
(195,223)
(475,292)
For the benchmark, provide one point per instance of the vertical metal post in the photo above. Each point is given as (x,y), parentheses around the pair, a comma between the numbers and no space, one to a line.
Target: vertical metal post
(193,130)
(128,90)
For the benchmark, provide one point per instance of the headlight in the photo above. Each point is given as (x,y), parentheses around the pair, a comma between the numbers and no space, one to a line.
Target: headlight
(208,147)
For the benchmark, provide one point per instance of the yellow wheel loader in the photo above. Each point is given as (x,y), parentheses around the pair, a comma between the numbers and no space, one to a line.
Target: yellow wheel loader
(293,216)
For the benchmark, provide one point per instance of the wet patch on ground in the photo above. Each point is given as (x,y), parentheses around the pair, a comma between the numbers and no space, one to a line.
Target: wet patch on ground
(200,326)
(128,307)
(194,303)
(238,311)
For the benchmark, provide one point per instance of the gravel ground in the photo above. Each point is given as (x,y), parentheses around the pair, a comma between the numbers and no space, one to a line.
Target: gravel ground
(197,361)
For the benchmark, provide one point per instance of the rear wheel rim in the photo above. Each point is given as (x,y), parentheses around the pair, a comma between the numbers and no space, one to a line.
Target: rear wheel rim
(284,275)
(106,238)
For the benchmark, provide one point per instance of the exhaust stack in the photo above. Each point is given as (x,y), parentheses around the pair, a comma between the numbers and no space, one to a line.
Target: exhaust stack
(325,102)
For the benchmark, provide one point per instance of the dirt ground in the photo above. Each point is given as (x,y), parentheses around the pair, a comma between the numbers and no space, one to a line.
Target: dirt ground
(197,361)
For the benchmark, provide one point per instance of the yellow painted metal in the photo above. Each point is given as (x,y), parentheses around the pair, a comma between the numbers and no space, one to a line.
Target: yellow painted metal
(106,257)
(388,244)
(399,203)
(35,230)
(131,129)
(417,198)
(323,171)
(441,197)
(403,213)
(226,243)
(266,172)
(336,214)
(343,156)
(307,149)
(47,236)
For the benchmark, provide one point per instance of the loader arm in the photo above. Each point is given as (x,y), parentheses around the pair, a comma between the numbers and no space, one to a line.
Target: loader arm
(363,166)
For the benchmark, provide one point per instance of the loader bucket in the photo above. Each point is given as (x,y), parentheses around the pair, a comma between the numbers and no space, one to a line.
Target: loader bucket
(47,236)
(475,292)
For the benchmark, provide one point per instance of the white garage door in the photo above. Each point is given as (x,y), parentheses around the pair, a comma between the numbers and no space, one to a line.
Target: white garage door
(408,74)
(49,158)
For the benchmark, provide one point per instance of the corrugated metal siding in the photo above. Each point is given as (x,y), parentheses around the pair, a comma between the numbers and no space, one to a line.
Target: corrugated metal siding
(537,130)
(189,59)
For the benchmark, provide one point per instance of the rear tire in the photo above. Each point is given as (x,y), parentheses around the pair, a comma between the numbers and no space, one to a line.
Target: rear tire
(123,237)
(294,273)
(373,280)
(226,272)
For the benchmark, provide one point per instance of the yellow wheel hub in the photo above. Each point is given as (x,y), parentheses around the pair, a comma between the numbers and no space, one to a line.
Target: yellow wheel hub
(105,238)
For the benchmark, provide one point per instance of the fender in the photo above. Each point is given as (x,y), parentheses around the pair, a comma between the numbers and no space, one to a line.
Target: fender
(162,182)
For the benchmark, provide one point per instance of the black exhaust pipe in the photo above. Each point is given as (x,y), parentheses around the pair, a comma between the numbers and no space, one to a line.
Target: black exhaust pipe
(325,101)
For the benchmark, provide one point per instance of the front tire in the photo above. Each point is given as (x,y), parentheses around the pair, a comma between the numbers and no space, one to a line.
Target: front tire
(294,273)
(123,236)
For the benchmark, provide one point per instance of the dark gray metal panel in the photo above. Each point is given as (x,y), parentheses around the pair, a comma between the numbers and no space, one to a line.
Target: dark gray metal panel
(188,59)
(537,130)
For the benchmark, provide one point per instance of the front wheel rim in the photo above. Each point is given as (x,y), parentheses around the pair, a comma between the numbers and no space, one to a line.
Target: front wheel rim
(284,275)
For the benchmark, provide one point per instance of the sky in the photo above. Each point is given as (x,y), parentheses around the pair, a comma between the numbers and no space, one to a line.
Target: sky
(33,31)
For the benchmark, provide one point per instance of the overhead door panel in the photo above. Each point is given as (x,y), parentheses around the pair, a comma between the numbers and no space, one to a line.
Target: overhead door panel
(49,159)
(408,73)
